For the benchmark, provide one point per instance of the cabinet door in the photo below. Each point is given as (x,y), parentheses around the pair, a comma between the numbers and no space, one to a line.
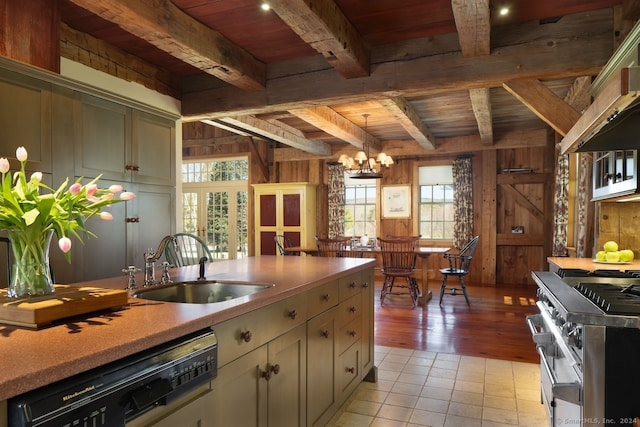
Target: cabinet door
(25,119)
(288,387)
(105,138)
(240,393)
(368,318)
(153,149)
(321,377)
(154,216)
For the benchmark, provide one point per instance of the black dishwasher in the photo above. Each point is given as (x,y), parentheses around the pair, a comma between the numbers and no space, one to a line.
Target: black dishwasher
(111,395)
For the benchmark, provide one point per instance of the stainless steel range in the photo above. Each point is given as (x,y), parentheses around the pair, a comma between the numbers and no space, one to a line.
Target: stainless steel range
(588,337)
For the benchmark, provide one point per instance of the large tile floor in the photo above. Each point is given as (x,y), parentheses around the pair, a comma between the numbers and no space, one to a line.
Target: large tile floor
(421,388)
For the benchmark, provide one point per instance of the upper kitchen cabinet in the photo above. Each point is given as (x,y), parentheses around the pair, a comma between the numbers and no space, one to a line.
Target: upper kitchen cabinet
(25,119)
(124,144)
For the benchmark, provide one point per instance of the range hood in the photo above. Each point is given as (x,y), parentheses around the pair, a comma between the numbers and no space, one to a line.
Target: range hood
(609,121)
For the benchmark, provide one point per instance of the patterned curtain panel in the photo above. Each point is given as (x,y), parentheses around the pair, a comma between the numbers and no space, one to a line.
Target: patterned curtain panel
(584,197)
(561,207)
(462,202)
(336,200)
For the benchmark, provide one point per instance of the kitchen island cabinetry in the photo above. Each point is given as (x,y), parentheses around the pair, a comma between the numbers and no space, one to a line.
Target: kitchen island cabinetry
(266,387)
(294,363)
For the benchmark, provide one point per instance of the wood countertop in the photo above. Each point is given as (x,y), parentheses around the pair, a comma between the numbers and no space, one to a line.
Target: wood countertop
(34,358)
(588,264)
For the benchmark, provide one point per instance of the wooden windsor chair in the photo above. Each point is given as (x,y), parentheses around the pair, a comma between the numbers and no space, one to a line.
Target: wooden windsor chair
(399,262)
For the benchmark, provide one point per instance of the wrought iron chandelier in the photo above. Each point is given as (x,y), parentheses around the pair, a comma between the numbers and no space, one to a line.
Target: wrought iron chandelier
(363,166)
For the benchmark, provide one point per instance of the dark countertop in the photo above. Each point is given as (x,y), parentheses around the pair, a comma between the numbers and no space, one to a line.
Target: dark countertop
(34,358)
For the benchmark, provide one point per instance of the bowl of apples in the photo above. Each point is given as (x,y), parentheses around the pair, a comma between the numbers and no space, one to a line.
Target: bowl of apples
(612,254)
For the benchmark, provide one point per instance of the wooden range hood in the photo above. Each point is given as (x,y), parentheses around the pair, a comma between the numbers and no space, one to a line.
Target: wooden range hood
(614,90)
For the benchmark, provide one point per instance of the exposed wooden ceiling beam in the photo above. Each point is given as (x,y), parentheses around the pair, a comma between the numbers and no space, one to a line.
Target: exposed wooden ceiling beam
(446,146)
(334,124)
(404,113)
(325,28)
(544,103)
(481,105)
(168,28)
(555,56)
(280,132)
(473,22)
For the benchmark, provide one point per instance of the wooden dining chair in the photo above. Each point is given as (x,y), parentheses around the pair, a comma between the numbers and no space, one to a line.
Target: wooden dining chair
(399,262)
(332,247)
(458,267)
(187,249)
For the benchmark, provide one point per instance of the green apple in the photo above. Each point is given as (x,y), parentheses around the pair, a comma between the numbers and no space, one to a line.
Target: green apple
(613,256)
(610,246)
(600,256)
(626,255)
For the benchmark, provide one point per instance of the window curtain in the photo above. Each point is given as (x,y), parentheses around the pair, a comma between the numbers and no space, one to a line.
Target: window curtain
(336,200)
(462,202)
(584,197)
(561,207)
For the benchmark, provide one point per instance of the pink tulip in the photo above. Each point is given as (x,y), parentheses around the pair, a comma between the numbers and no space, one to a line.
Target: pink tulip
(64,244)
(75,188)
(127,195)
(36,176)
(106,216)
(115,188)
(21,154)
(4,165)
(92,189)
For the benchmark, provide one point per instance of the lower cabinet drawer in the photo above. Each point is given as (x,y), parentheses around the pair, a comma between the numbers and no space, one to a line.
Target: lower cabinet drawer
(348,366)
(349,334)
(323,298)
(244,333)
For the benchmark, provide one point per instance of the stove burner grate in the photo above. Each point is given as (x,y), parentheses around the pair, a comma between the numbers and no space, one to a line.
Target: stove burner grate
(612,299)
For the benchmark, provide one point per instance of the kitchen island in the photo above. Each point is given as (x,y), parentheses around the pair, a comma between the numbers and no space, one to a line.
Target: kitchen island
(35,358)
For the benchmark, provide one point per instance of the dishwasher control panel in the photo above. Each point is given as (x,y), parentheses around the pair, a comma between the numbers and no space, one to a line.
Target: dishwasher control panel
(116,393)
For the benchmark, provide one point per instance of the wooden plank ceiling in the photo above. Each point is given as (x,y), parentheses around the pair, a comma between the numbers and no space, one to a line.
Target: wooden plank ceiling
(434,76)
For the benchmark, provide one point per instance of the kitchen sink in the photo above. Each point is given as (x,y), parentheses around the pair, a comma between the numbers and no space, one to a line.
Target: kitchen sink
(201,291)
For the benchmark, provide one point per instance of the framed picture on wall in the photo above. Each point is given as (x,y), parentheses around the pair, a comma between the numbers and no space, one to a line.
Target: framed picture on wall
(396,201)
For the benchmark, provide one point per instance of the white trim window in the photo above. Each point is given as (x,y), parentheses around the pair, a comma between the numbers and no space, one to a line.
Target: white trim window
(435,202)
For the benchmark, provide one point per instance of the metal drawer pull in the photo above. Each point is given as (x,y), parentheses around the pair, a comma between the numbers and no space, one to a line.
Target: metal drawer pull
(569,392)
(246,336)
(535,321)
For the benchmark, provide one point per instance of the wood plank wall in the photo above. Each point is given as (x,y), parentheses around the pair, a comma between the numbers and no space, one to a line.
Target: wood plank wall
(502,199)
(29,32)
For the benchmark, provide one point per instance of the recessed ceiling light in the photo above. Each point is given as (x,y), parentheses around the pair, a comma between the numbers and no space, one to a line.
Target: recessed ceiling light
(504,10)
(265,6)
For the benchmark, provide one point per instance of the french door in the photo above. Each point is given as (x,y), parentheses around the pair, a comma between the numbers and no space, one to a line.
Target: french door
(217,212)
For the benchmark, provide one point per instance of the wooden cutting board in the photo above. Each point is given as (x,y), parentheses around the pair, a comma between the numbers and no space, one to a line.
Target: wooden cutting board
(67,301)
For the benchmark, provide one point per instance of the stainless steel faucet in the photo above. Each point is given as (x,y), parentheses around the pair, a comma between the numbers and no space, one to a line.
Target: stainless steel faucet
(151,257)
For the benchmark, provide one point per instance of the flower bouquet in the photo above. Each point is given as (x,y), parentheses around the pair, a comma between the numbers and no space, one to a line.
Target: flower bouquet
(31,218)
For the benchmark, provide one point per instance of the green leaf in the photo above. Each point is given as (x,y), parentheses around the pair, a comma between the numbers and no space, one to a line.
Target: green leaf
(30,216)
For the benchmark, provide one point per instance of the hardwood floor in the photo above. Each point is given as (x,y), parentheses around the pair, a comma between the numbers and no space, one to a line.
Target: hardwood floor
(493,327)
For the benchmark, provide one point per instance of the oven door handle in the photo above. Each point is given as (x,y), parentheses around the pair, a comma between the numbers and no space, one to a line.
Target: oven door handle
(570,392)
(535,326)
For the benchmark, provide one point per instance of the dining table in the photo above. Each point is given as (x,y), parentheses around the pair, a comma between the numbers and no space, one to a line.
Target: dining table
(423,252)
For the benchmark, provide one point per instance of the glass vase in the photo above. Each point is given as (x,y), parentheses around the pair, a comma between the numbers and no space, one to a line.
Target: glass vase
(30,273)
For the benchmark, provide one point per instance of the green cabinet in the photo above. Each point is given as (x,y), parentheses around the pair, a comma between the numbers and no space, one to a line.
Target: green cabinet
(136,150)
(123,144)
(265,387)
(294,363)
(25,119)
